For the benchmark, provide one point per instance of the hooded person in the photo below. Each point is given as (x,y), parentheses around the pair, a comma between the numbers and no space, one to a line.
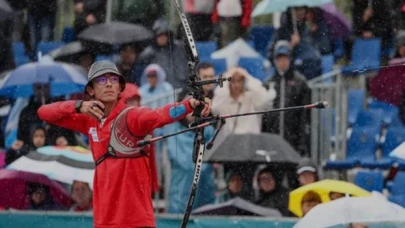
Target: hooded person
(40,198)
(153,81)
(291,90)
(39,138)
(235,187)
(271,192)
(122,184)
(168,53)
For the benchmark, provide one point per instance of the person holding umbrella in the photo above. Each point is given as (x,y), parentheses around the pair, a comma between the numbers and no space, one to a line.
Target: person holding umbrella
(122,183)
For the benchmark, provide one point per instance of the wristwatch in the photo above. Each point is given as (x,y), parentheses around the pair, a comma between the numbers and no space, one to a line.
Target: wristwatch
(78,105)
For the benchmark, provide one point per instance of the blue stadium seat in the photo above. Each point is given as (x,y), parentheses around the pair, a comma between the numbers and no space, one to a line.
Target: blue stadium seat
(370,180)
(355,99)
(399,199)
(393,138)
(398,185)
(327,63)
(390,111)
(20,57)
(219,64)
(361,146)
(365,55)
(254,66)
(261,35)
(206,48)
(46,47)
(68,35)
(339,50)
(372,117)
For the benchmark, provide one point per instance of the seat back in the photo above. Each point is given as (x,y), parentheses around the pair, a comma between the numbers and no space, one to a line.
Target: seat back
(370,180)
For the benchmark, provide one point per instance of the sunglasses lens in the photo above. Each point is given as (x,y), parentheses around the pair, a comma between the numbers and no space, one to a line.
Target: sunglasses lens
(101,80)
(114,79)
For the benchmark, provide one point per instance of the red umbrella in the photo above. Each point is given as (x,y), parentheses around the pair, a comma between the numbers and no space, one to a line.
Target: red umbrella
(14,193)
(389,84)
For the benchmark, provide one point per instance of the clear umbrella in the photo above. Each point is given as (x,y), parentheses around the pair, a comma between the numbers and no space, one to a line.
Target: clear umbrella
(375,209)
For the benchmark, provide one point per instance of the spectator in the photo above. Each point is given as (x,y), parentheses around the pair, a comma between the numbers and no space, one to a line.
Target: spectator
(399,57)
(243,94)
(41,22)
(88,12)
(40,198)
(398,15)
(129,67)
(291,90)
(131,94)
(180,150)
(206,71)
(138,11)
(318,31)
(199,14)
(309,201)
(6,54)
(236,187)
(307,172)
(233,19)
(304,54)
(29,117)
(271,193)
(371,19)
(18,149)
(169,54)
(82,195)
(85,59)
(336,195)
(154,84)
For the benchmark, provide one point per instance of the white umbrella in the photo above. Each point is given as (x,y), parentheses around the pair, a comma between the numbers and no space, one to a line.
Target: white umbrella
(399,152)
(234,51)
(364,210)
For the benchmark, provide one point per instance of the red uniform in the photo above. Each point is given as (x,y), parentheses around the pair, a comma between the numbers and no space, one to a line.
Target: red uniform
(122,187)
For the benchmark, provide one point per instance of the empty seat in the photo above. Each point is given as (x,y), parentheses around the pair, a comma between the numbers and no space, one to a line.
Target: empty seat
(370,180)
(372,117)
(361,147)
(327,63)
(390,111)
(355,98)
(261,35)
(365,55)
(206,48)
(254,66)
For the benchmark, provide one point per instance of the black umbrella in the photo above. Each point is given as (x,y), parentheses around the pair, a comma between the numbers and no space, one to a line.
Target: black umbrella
(69,49)
(5,10)
(236,206)
(257,148)
(116,33)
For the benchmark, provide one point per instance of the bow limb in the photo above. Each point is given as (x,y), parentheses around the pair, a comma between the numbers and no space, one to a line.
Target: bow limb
(198,93)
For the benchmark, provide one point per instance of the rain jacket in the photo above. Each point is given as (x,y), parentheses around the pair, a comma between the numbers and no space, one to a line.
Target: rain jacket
(122,187)
(296,123)
(172,57)
(162,87)
(180,150)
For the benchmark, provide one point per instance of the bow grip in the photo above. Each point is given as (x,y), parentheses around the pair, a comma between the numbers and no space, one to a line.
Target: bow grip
(198,109)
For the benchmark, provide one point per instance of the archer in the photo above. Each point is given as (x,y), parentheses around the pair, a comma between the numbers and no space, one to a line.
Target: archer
(122,183)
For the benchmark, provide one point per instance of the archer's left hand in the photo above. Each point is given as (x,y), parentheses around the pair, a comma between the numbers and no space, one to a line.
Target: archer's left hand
(207,105)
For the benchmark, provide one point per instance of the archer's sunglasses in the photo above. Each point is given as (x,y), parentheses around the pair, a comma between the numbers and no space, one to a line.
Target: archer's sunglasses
(102,80)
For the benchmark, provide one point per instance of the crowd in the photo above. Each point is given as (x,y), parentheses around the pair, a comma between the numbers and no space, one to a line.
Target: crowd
(159,67)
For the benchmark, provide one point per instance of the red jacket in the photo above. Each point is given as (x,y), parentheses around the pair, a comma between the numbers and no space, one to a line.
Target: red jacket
(247,6)
(122,187)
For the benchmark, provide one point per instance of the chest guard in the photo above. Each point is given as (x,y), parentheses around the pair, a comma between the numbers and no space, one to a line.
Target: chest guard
(123,144)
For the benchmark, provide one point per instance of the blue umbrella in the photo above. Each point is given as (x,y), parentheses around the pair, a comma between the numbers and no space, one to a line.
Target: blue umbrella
(63,78)
(273,6)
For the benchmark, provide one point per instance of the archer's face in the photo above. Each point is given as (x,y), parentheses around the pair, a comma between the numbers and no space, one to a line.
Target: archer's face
(106,88)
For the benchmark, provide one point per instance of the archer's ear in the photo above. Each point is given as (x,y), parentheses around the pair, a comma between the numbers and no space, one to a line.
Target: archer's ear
(90,90)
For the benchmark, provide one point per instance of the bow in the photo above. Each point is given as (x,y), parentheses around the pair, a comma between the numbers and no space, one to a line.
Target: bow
(197,92)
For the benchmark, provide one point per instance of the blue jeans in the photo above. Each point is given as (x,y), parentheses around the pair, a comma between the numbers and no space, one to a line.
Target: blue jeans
(41,29)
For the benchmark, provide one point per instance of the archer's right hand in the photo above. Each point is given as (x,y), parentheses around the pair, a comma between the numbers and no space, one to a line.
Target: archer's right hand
(93,109)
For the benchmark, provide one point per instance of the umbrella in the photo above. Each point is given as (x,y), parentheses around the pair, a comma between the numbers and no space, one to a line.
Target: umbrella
(69,49)
(323,188)
(234,51)
(337,23)
(64,164)
(236,206)
(5,9)
(2,159)
(389,84)
(364,210)
(116,33)
(260,148)
(272,6)
(14,192)
(399,152)
(64,79)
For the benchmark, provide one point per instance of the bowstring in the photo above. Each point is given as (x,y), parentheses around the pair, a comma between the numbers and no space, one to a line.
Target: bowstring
(175,104)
